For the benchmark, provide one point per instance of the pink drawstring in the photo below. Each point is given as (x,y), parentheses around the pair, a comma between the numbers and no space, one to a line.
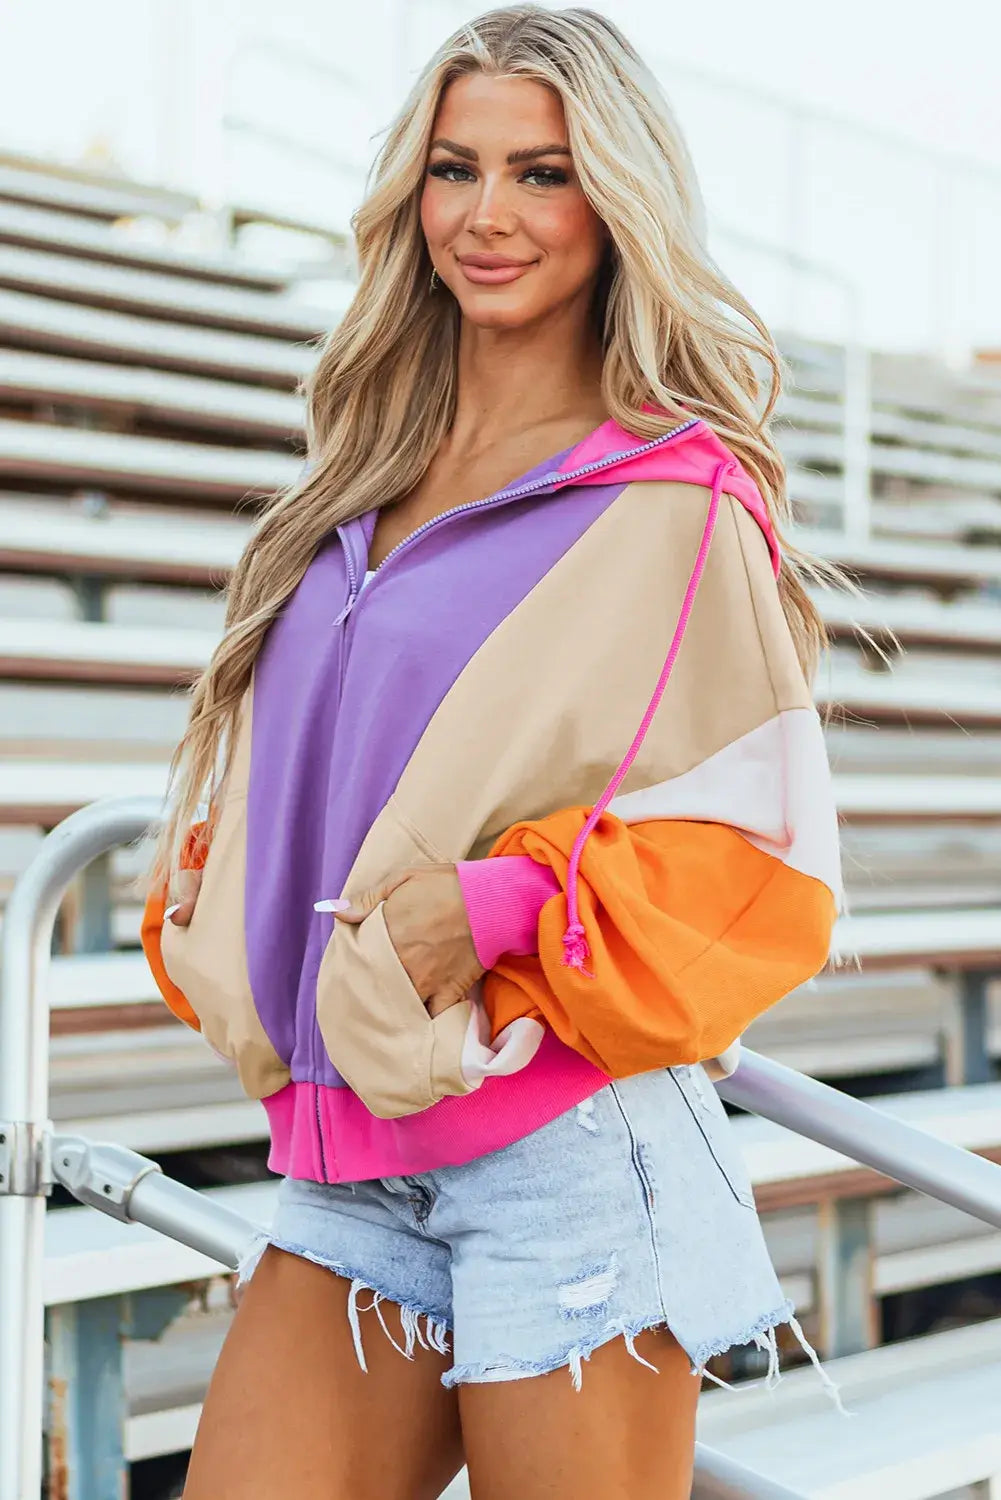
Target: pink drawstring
(575,949)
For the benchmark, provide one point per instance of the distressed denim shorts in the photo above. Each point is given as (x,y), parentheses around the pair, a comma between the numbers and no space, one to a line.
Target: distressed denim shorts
(631,1210)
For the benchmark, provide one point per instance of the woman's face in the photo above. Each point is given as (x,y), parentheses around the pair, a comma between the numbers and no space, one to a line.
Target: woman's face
(507,224)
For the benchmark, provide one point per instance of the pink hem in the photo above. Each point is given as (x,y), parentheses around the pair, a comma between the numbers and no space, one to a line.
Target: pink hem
(326,1134)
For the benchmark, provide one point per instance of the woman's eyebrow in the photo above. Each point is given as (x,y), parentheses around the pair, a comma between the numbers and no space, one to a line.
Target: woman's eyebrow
(530,153)
(455,148)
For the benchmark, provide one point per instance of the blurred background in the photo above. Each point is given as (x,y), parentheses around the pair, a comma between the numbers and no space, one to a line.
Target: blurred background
(176,186)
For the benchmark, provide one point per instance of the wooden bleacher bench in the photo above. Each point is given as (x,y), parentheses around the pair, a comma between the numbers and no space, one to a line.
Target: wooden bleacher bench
(947,567)
(123,461)
(92,651)
(182,299)
(46,324)
(907,425)
(47,229)
(55,537)
(914,621)
(924,1425)
(933,698)
(234,411)
(87,195)
(958,471)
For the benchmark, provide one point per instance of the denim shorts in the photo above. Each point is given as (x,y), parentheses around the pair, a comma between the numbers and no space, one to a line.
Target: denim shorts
(631,1210)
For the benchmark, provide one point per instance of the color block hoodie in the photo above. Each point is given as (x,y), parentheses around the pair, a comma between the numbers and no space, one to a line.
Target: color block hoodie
(582,690)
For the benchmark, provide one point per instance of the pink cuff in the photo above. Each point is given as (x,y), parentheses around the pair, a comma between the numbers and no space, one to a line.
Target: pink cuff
(504,897)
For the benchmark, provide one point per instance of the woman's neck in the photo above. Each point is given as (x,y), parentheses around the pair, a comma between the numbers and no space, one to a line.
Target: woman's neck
(517,380)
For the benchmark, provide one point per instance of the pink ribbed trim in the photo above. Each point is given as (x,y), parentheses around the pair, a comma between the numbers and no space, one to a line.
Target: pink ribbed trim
(504,897)
(356,1146)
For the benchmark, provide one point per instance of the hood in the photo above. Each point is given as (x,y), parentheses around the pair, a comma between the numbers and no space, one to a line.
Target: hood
(692,454)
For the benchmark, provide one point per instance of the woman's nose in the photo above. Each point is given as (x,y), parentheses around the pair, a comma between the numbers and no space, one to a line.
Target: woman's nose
(492,212)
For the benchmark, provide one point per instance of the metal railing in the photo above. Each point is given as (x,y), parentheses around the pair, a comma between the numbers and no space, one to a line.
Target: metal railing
(133,1190)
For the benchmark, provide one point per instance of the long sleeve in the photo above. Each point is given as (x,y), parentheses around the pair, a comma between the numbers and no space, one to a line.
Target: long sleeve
(692,931)
(700,898)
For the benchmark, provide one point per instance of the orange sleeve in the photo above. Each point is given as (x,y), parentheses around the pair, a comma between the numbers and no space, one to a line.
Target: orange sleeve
(193,856)
(692,930)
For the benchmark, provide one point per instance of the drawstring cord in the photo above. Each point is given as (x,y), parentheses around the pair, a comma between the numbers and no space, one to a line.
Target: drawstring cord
(575,948)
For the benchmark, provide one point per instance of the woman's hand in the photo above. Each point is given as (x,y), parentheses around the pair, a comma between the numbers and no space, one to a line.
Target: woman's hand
(187,884)
(428,926)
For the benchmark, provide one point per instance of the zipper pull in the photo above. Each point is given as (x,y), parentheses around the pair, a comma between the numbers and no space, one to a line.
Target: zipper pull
(352,598)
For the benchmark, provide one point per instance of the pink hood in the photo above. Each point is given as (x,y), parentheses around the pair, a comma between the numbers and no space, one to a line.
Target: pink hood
(693,457)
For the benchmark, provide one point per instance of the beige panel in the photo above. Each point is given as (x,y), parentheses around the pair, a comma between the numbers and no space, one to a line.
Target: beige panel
(545,710)
(538,720)
(374,1024)
(207,960)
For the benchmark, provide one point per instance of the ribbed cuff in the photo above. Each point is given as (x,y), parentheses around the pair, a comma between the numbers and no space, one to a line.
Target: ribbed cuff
(504,897)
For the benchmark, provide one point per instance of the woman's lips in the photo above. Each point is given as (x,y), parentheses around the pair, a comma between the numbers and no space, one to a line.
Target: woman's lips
(493,275)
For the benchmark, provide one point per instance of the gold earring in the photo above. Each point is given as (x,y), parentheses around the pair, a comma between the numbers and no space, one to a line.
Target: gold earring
(435,278)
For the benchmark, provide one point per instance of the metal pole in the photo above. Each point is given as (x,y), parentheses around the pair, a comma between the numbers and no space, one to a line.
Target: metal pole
(867,1135)
(24,1127)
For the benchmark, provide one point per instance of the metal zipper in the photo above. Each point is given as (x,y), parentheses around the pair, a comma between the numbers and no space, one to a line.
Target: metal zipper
(512,494)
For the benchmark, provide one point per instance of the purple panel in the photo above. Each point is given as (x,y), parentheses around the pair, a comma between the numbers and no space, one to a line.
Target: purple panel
(339,709)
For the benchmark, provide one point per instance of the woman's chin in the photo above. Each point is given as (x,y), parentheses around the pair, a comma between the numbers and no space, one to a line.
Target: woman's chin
(499,311)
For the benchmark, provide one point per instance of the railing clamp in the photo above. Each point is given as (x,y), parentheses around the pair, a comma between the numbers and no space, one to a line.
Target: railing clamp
(99,1174)
(25,1159)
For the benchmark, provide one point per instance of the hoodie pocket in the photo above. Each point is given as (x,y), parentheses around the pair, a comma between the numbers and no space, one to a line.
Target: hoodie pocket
(375,1027)
(207,960)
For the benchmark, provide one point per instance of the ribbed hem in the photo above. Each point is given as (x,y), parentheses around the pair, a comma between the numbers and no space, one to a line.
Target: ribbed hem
(504,897)
(326,1134)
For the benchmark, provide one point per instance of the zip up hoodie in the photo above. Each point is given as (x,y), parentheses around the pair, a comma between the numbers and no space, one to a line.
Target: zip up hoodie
(583,691)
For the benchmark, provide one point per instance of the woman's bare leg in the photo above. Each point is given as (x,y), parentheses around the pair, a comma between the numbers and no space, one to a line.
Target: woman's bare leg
(289,1411)
(627,1434)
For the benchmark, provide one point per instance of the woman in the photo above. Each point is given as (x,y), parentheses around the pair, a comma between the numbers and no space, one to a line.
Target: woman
(523,814)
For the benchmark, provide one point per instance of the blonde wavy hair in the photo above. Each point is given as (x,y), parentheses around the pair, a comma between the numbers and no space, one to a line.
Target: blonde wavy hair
(676,336)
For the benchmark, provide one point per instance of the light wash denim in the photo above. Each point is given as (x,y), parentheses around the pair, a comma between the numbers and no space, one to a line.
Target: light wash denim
(631,1210)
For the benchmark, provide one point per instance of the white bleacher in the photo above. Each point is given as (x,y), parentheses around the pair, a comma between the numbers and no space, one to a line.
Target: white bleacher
(46,324)
(92,651)
(157,395)
(88,195)
(42,536)
(910,562)
(74,456)
(46,229)
(924,1422)
(185,299)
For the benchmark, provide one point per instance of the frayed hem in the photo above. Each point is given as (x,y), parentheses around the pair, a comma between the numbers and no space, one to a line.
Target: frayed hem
(707,1351)
(763,1335)
(572,1359)
(433,1336)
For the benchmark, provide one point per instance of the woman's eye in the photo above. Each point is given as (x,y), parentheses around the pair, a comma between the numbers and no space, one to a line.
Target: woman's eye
(447,171)
(546,176)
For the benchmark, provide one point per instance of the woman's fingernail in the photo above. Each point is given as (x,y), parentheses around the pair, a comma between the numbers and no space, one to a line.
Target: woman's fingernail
(333,903)
(171,910)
